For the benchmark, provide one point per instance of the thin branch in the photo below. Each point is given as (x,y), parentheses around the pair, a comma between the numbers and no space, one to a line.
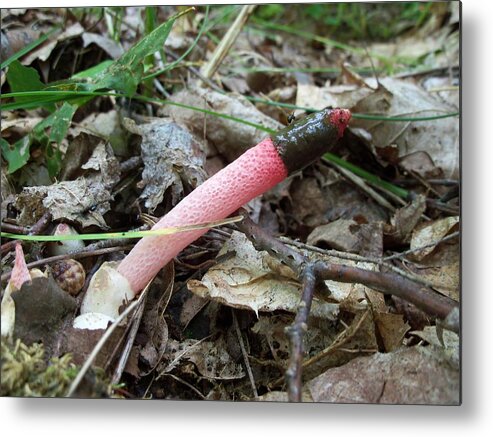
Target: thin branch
(36,229)
(358,258)
(431,302)
(244,353)
(227,42)
(122,362)
(295,333)
(417,249)
(14,229)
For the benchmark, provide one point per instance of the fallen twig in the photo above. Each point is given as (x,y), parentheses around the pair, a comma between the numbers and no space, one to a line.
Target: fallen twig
(244,353)
(36,229)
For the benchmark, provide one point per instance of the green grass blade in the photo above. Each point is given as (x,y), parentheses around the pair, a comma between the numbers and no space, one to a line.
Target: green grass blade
(130,234)
(192,46)
(398,191)
(57,96)
(27,48)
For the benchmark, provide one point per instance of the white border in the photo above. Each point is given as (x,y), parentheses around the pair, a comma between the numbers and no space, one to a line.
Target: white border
(139,418)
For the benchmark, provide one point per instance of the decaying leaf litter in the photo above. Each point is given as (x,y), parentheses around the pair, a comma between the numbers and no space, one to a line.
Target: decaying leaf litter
(213,325)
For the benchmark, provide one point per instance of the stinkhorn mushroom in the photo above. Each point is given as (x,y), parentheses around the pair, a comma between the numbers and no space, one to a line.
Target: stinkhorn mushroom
(20,274)
(253,173)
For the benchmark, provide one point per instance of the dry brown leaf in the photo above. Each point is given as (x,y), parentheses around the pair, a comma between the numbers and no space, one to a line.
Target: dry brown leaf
(245,281)
(109,45)
(192,305)
(337,96)
(442,268)
(450,344)
(340,235)
(358,339)
(308,201)
(106,125)
(44,51)
(153,328)
(211,358)
(430,233)
(417,375)
(405,220)
(84,200)
(79,150)
(273,330)
(172,158)
(229,137)
(420,163)
(392,329)
(21,126)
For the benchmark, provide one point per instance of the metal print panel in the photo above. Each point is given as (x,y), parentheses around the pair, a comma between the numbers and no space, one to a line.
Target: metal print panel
(232,202)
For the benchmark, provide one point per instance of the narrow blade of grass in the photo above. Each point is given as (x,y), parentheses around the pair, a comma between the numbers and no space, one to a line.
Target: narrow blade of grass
(27,48)
(130,234)
(398,191)
(192,46)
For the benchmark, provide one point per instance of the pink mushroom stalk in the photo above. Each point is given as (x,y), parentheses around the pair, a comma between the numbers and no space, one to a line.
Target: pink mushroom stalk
(19,275)
(20,272)
(253,173)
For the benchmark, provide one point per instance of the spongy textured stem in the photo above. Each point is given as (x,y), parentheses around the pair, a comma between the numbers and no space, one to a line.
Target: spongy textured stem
(20,272)
(256,171)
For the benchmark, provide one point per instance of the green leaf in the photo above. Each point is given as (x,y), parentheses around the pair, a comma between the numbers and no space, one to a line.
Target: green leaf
(21,78)
(53,158)
(93,71)
(16,154)
(126,73)
(59,122)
